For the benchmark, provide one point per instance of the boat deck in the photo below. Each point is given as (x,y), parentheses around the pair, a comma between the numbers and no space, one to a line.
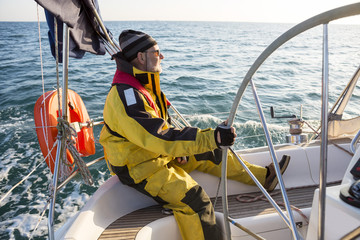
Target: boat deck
(126,227)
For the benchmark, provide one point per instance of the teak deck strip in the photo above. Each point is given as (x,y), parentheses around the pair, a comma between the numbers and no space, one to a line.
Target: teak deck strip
(126,227)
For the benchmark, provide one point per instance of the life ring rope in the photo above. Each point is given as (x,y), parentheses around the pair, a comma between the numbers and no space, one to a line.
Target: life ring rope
(70,134)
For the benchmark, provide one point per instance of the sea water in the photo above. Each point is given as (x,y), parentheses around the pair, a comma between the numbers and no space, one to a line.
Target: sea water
(204,65)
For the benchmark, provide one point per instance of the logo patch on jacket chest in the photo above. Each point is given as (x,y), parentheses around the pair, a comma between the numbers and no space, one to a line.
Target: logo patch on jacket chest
(130,96)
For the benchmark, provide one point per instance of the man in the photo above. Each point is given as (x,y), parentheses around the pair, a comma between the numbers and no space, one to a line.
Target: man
(146,152)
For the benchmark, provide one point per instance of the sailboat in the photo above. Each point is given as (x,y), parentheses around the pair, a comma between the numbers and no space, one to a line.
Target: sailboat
(322,178)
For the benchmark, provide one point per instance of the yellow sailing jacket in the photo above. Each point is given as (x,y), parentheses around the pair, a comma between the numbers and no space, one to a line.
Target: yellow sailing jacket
(138,134)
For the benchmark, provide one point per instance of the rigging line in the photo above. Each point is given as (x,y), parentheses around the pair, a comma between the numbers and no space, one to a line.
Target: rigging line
(217,113)
(64,170)
(341,148)
(41,64)
(40,218)
(332,142)
(57,62)
(44,127)
(103,28)
(311,127)
(108,46)
(70,132)
(259,135)
(26,177)
(248,231)
(217,193)
(204,114)
(107,50)
(74,173)
(45,134)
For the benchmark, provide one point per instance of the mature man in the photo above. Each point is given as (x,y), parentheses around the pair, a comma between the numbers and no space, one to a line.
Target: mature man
(147,153)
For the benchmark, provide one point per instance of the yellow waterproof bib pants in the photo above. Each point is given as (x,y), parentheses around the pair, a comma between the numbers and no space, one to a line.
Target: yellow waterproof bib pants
(191,206)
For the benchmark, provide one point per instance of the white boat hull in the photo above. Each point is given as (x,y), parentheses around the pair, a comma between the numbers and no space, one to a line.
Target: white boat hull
(114,200)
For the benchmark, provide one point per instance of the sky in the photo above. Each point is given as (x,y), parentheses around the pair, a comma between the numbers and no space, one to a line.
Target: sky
(278,11)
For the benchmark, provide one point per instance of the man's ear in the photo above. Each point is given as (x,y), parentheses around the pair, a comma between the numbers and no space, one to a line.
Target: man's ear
(141,57)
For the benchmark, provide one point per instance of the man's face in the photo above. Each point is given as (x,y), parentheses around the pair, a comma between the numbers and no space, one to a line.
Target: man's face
(153,59)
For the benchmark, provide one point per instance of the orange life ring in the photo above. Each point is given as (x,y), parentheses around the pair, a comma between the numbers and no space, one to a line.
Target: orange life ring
(45,116)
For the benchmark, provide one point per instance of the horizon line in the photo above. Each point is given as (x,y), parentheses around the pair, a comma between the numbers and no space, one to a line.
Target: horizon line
(336,22)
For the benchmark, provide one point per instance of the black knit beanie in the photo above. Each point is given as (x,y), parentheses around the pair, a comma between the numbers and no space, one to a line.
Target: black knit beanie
(132,42)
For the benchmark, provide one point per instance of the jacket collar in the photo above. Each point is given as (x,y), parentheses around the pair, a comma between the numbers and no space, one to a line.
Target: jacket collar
(150,80)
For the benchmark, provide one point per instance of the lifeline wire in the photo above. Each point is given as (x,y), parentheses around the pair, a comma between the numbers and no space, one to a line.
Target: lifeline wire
(248,231)
(42,76)
(26,177)
(40,218)
(57,61)
(41,66)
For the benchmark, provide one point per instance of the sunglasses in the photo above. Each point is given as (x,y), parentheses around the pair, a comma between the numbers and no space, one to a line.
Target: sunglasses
(157,52)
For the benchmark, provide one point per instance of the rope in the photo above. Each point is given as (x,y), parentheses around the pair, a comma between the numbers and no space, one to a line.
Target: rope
(254,235)
(42,72)
(330,141)
(27,176)
(40,50)
(341,148)
(40,218)
(253,198)
(43,88)
(45,127)
(57,62)
(311,127)
(70,134)
(217,193)
(16,185)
